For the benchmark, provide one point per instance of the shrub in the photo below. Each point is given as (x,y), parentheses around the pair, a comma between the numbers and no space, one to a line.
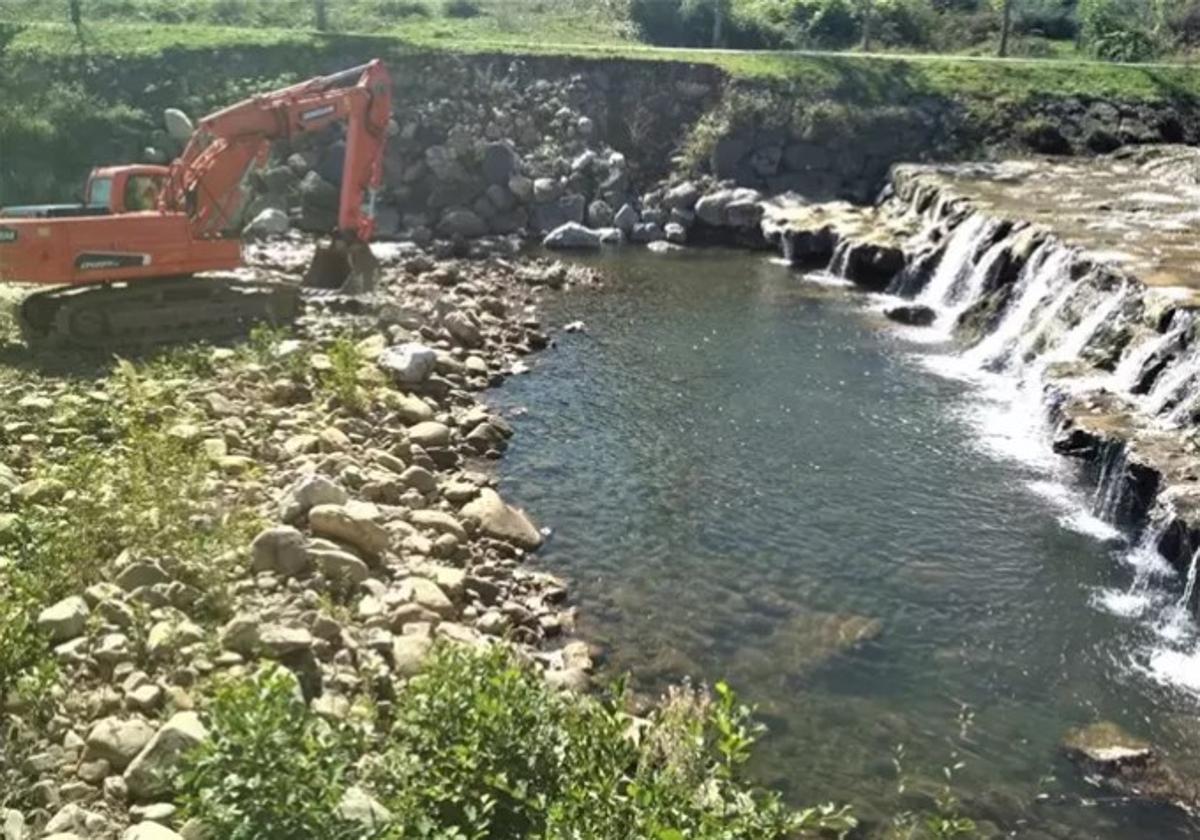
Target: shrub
(340,382)
(462,8)
(481,747)
(271,770)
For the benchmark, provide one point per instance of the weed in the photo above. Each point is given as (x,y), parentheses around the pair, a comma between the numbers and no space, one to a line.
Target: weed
(340,382)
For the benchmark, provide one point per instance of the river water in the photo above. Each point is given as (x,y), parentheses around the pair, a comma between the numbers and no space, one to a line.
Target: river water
(751,475)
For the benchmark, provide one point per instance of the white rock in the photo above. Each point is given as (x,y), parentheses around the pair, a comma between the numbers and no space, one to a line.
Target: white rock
(270,222)
(149,831)
(118,741)
(179,125)
(65,620)
(309,492)
(502,521)
(408,364)
(572,235)
(150,774)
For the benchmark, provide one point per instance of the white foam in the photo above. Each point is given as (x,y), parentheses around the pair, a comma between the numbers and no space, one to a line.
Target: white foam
(1122,603)
(1176,668)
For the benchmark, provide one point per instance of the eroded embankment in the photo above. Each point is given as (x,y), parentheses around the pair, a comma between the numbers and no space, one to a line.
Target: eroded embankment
(1076,280)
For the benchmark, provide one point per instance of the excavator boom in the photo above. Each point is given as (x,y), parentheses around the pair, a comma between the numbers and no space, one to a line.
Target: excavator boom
(113,261)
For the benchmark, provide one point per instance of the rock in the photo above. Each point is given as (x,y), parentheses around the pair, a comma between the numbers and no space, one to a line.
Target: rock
(307,493)
(500,163)
(270,222)
(360,807)
(675,233)
(12,825)
(521,187)
(913,315)
(340,566)
(409,652)
(118,741)
(430,434)
(178,124)
(65,620)
(408,364)
(409,408)
(279,550)
(280,640)
(572,236)
(149,831)
(240,634)
(647,232)
(167,638)
(439,521)
(546,190)
(459,221)
(427,595)
(682,197)
(502,521)
(139,574)
(626,218)
(150,774)
(599,214)
(1105,746)
(464,329)
(348,524)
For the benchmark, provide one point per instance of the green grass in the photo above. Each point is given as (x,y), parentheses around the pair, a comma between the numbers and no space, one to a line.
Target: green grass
(866,78)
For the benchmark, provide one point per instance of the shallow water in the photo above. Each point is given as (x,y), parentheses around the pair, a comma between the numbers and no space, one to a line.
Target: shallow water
(746,471)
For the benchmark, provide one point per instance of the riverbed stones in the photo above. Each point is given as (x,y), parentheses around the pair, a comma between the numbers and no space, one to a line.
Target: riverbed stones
(408,364)
(149,831)
(912,315)
(351,523)
(502,521)
(151,773)
(117,741)
(65,620)
(280,550)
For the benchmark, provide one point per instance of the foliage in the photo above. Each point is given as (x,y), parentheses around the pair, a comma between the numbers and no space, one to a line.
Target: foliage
(271,770)
(340,382)
(481,747)
(1119,30)
(126,484)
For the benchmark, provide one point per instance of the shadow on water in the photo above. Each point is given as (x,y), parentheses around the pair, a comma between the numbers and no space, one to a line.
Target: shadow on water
(748,481)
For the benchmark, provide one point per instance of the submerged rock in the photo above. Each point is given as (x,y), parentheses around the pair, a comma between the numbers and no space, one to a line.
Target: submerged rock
(913,315)
(1129,766)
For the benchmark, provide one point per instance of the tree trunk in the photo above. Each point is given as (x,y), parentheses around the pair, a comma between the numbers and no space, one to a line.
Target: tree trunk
(718,33)
(868,23)
(1005,28)
(322,15)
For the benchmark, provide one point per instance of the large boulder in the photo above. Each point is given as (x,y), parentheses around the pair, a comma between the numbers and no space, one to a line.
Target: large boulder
(459,221)
(572,236)
(682,197)
(270,222)
(502,521)
(152,772)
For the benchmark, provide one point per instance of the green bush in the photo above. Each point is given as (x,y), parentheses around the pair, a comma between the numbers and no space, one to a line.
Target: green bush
(1119,30)
(271,770)
(481,747)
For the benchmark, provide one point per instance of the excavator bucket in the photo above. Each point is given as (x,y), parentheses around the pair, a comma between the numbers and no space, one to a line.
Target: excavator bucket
(348,267)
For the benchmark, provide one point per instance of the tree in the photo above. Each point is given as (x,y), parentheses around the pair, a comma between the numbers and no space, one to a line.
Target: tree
(1006,8)
(718,10)
(75,10)
(322,14)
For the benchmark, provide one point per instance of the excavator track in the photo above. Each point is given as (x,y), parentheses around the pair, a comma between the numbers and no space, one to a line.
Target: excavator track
(144,313)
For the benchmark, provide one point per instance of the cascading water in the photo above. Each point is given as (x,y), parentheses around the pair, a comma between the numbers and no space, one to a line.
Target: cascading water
(1110,489)
(957,260)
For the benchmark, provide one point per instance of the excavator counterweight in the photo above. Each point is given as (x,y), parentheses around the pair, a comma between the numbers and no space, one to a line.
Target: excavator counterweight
(146,258)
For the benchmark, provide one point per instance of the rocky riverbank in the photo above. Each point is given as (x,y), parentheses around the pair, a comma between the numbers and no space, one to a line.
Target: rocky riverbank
(333,512)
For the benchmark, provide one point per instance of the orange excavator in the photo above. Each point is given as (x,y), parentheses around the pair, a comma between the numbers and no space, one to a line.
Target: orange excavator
(127,267)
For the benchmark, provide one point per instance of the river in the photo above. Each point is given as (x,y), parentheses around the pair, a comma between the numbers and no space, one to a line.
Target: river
(750,474)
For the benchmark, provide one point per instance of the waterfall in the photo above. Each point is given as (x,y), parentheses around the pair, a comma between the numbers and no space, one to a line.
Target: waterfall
(1174,383)
(1045,273)
(841,256)
(1110,490)
(1082,333)
(964,243)
(1186,601)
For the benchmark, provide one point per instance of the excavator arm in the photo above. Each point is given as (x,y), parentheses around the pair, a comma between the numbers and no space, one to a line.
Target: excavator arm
(208,181)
